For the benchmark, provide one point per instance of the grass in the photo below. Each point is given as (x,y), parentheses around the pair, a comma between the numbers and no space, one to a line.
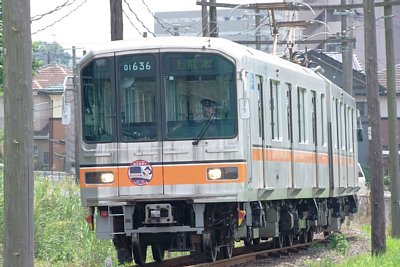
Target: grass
(340,246)
(62,236)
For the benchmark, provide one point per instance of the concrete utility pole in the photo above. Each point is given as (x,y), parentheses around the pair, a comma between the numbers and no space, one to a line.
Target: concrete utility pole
(18,127)
(117,26)
(347,52)
(204,19)
(378,236)
(392,122)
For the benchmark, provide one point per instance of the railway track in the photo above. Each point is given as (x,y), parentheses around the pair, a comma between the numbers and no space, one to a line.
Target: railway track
(242,256)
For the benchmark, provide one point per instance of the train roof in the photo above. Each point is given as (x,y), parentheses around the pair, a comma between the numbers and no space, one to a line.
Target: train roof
(226,46)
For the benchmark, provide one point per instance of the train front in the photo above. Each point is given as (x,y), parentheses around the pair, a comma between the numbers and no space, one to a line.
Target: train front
(160,160)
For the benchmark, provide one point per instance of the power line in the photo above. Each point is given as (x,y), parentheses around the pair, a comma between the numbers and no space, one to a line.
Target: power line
(158,21)
(138,19)
(63,17)
(126,15)
(40,16)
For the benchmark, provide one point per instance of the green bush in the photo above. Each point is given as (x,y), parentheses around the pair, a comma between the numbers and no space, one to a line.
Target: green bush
(339,243)
(62,236)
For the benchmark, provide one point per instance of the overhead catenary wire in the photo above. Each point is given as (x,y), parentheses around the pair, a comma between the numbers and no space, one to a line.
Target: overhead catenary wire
(138,19)
(63,17)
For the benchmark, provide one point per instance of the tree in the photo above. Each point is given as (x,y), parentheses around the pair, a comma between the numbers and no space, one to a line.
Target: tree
(18,143)
(50,53)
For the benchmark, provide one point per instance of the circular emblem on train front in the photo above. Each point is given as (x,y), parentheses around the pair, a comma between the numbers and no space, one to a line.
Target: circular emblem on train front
(140,172)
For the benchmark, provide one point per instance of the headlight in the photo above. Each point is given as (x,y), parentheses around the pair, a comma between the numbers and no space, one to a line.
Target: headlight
(99,177)
(107,178)
(223,173)
(214,174)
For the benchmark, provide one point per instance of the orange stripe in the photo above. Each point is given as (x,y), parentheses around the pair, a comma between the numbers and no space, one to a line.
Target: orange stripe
(173,174)
(282,155)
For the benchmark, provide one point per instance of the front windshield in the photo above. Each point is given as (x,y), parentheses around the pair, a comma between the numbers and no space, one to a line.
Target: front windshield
(137,97)
(160,96)
(198,88)
(98,110)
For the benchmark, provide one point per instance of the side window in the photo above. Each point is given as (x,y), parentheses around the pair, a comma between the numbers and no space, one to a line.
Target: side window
(275,110)
(349,129)
(323,121)
(314,117)
(301,114)
(337,123)
(98,111)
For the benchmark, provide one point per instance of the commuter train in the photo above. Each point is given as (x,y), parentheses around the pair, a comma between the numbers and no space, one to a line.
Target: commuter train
(274,160)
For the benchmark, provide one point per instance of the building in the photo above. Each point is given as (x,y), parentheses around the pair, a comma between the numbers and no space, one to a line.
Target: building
(331,26)
(49,133)
(235,24)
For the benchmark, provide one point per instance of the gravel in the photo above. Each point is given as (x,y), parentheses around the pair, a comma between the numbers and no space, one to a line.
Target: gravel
(358,241)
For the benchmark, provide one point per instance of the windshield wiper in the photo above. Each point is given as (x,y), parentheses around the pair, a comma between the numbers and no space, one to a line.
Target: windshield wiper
(203,131)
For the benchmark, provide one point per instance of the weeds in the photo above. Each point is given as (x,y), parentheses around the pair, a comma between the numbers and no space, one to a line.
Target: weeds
(62,237)
(339,243)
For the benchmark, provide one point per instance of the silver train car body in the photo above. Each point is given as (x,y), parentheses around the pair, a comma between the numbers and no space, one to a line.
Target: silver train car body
(276,160)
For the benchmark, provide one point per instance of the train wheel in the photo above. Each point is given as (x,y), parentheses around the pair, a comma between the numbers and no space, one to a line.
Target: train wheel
(123,245)
(310,236)
(227,251)
(326,233)
(278,241)
(210,246)
(158,252)
(303,237)
(139,249)
(288,240)
(256,241)
(248,239)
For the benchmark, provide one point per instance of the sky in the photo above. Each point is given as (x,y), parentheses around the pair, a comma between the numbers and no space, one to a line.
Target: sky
(86,23)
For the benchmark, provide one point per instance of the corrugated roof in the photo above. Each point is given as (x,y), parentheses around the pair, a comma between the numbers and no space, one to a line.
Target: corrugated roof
(50,76)
(382,77)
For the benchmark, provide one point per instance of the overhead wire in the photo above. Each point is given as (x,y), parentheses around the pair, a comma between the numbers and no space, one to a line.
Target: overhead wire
(57,8)
(157,19)
(138,19)
(63,17)
(134,26)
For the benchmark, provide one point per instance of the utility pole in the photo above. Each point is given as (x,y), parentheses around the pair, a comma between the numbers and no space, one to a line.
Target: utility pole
(18,127)
(204,19)
(347,52)
(117,25)
(392,122)
(378,236)
(76,120)
(258,32)
(213,20)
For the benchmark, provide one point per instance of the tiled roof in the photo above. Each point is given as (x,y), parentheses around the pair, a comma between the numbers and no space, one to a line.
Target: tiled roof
(50,76)
(382,77)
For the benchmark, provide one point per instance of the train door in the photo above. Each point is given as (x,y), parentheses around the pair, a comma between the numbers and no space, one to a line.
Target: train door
(314,135)
(289,116)
(258,137)
(342,146)
(138,110)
